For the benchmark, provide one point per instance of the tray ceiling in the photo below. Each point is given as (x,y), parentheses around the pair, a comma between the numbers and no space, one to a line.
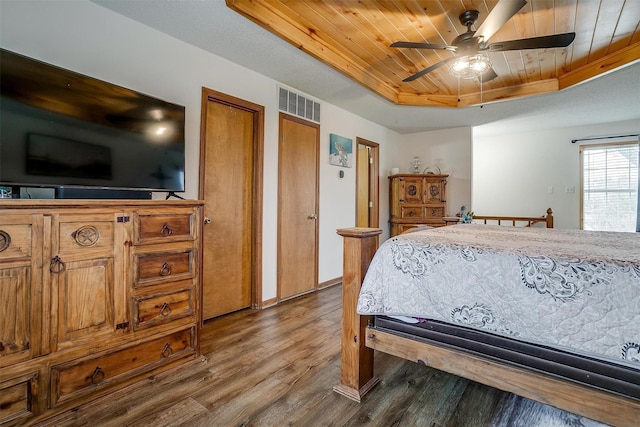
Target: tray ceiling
(353,37)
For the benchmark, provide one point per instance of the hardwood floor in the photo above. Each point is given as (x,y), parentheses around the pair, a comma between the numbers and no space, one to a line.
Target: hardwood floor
(277,367)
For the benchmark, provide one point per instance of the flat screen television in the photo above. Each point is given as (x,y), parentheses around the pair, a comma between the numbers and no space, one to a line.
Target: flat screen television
(61,129)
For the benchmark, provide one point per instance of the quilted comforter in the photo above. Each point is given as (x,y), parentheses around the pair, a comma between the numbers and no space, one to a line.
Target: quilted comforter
(569,289)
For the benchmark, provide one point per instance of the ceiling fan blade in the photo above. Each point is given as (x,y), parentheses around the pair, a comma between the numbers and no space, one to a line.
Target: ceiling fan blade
(544,42)
(428,69)
(500,14)
(416,45)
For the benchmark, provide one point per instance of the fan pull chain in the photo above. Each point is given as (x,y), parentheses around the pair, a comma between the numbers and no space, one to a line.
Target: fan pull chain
(481,91)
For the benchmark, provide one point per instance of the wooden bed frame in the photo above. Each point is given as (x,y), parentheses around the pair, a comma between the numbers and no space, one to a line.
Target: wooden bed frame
(516,221)
(359,340)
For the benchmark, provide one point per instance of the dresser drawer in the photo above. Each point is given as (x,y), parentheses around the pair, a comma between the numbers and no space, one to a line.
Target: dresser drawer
(83,237)
(15,241)
(411,211)
(18,398)
(434,212)
(156,267)
(163,308)
(163,228)
(82,377)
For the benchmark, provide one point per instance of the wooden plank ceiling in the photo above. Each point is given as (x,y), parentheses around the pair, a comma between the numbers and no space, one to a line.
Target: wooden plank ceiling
(354,37)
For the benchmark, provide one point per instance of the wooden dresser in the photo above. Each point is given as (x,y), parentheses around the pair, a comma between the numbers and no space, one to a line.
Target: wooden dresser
(94,296)
(416,199)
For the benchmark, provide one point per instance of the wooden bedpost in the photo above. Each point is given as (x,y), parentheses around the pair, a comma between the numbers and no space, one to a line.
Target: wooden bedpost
(549,218)
(356,369)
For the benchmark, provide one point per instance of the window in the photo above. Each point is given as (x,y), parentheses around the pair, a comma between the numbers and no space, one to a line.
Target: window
(609,186)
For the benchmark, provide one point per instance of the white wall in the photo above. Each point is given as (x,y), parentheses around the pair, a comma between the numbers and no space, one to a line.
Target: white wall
(513,173)
(86,38)
(448,149)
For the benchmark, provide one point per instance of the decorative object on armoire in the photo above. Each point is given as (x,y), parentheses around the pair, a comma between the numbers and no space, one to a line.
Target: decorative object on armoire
(416,199)
(415,164)
(340,151)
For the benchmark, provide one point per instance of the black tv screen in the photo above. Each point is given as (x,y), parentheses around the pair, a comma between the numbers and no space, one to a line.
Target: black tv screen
(59,128)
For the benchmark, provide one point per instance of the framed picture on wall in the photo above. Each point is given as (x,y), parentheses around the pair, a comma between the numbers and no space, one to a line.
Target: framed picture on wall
(340,151)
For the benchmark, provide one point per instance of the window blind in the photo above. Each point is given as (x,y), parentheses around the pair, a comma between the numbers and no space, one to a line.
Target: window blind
(610,187)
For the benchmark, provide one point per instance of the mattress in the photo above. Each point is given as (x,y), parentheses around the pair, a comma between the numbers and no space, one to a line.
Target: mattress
(572,290)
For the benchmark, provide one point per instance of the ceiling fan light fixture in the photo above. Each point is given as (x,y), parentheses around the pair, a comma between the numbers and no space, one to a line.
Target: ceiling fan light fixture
(470,66)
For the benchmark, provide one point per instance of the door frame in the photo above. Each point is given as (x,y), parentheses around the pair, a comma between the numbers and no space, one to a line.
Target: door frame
(281,118)
(210,95)
(374,180)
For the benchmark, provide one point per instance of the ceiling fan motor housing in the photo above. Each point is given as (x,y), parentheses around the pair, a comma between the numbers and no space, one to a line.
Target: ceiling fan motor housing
(466,43)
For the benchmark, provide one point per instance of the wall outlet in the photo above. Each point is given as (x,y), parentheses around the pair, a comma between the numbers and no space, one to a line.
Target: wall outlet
(570,189)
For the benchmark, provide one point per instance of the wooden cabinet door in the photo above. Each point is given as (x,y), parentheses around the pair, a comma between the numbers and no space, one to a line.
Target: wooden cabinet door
(434,192)
(88,281)
(20,287)
(411,190)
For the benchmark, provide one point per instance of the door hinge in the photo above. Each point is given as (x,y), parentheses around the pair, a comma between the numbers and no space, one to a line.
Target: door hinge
(123,219)
(370,204)
(370,160)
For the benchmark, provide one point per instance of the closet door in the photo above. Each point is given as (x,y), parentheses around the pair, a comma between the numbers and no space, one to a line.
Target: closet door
(297,206)
(230,187)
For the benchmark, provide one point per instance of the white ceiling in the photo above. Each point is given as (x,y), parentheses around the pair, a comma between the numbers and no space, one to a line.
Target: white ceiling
(210,25)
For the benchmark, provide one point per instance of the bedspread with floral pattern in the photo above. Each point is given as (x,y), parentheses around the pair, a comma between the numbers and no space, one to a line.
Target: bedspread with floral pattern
(570,289)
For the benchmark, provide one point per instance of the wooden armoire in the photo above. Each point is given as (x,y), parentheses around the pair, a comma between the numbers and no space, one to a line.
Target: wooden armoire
(416,199)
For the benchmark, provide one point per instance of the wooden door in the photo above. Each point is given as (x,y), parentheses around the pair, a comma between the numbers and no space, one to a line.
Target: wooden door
(297,206)
(21,242)
(367,184)
(89,291)
(230,186)
(362,186)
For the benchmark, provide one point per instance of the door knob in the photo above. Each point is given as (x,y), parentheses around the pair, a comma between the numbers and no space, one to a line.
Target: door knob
(313,216)
(207,220)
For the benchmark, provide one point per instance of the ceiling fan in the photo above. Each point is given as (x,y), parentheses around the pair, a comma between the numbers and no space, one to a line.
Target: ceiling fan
(467,47)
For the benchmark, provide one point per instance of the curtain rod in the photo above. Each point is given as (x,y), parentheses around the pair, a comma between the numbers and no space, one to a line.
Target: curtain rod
(573,141)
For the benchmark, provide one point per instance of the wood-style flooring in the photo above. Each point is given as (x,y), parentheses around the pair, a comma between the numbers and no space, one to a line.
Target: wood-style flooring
(277,367)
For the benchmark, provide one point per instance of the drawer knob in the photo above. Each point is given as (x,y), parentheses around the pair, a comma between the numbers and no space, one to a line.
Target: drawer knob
(5,240)
(166,230)
(165,270)
(56,266)
(165,310)
(166,351)
(97,376)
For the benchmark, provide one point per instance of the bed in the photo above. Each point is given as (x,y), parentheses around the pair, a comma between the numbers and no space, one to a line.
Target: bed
(570,352)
